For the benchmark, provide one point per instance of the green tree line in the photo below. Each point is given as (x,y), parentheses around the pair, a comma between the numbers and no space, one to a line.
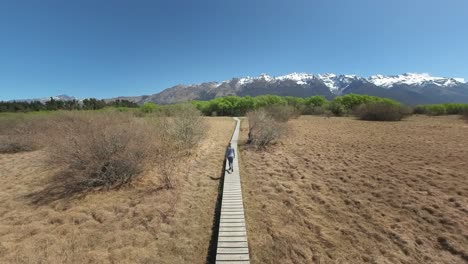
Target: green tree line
(53,105)
(238,106)
(339,106)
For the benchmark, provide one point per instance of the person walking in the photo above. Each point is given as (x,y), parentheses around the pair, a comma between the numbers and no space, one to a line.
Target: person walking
(230,155)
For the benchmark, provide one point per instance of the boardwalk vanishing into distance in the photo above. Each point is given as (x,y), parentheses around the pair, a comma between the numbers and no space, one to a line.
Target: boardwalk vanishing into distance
(232,236)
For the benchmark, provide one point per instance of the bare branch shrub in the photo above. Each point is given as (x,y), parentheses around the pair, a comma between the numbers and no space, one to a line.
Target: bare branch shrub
(180,129)
(282,113)
(263,128)
(101,149)
(22,133)
(185,126)
(168,152)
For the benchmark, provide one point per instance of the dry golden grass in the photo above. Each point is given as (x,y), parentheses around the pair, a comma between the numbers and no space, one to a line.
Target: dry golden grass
(339,190)
(139,223)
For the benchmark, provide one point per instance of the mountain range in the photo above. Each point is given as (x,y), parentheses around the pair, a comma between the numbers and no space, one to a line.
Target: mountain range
(407,88)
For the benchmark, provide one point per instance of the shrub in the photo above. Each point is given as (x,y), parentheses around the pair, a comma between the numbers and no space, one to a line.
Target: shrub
(441,109)
(101,149)
(337,108)
(11,146)
(437,109)
(455,109)
(263,129)
(419,110)
(21,132)
(315,101)
(465,115)
(314,110)
(149,108)
(381,111)
(282,113)
(342,105)
(185,125)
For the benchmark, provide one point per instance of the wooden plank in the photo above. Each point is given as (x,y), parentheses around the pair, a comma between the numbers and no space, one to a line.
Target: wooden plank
(232,203)
(232,262)
(233,257)
(233,250)
(231,234)
(232,213)
(230,220)
(232,216)
(232,229)
(232,244)
(232,239)
(231,224)
(234,207)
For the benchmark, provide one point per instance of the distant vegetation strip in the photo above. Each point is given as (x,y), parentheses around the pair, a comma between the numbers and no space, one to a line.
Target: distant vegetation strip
(239,106)
(53,105)
(339,106)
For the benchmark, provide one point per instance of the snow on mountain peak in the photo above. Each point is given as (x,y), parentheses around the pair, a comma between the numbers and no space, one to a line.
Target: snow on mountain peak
(299,78)
(337,83)
(412,79)
(245,80)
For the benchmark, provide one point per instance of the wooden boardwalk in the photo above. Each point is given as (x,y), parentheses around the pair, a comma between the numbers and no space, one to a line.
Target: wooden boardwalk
(232,237)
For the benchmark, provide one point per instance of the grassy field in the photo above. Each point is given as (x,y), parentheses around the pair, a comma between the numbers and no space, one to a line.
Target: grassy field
(137,223)
(340,190)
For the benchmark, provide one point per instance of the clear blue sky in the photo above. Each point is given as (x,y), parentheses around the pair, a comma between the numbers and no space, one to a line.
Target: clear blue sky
(98,48)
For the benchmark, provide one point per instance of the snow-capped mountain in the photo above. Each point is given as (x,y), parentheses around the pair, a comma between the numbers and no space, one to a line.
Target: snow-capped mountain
(62,97)
(414,79)
(408,88)
(338,83)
